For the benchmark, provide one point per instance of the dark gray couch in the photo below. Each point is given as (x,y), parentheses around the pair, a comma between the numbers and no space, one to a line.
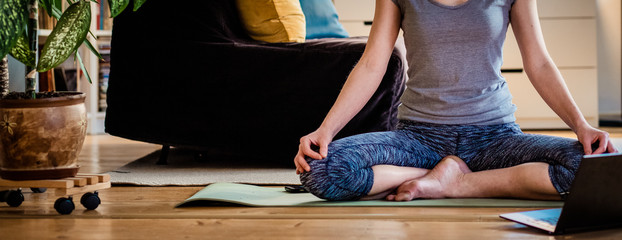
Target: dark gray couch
(187,75)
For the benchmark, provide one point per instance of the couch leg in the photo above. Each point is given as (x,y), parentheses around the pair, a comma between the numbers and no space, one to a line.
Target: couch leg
(164,155)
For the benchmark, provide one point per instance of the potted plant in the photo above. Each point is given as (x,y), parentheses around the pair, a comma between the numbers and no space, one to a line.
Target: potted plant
(41,134)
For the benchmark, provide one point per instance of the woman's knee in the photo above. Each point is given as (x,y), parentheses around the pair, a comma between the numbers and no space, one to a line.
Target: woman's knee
(337,177)
(346,174)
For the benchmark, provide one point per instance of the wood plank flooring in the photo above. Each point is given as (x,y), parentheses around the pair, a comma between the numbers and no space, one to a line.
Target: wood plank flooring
(130,212)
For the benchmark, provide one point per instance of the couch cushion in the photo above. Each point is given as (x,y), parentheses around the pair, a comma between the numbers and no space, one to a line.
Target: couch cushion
(322,19)
(273,20)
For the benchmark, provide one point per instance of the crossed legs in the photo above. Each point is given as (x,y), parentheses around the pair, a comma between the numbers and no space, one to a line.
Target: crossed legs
(407,164)
(451,178)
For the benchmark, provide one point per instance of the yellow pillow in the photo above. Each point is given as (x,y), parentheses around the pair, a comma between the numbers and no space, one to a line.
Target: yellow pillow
(273,20)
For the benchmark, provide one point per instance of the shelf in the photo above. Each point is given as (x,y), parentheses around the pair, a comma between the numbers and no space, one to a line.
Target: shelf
(103,33)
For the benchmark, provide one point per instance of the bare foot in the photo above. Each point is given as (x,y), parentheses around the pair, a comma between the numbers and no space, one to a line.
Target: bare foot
(441,182)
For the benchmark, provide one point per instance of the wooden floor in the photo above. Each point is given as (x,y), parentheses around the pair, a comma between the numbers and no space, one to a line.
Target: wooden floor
(130,212)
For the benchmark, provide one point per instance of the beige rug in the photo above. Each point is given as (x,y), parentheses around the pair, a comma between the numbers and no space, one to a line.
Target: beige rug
(184,169)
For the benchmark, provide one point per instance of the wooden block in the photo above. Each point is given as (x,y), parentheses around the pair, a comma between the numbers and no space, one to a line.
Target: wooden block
(104,178)
(56,183)
(100,177)
(90,179)
(85,189)
(78,181)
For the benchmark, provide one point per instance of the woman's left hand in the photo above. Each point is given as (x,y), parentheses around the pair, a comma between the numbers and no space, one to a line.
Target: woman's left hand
(590,135)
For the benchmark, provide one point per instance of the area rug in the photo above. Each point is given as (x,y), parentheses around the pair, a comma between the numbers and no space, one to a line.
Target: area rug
(183,169)
(261,196)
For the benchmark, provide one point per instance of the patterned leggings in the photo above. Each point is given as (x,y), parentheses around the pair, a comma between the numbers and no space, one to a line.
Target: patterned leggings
(346,173)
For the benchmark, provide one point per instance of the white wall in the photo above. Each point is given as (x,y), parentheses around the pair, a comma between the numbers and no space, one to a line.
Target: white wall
(609,28)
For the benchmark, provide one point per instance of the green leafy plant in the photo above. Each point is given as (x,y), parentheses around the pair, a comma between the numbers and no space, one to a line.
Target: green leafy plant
(18,34)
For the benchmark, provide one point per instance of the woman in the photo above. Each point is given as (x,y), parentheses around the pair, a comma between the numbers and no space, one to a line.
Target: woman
(456,136)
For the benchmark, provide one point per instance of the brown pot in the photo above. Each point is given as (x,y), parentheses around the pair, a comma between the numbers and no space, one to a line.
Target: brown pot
(41,138)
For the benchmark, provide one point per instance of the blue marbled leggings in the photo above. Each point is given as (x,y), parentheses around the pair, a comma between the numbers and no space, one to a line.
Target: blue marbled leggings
(346,174)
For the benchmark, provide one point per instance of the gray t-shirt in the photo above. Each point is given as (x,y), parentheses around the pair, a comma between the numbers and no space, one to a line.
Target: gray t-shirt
(454,55)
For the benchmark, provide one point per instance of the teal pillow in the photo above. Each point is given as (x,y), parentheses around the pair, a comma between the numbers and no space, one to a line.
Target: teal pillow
(322,20)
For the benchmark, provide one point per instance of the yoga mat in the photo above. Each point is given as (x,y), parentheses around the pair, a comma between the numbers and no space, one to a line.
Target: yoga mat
(256,196)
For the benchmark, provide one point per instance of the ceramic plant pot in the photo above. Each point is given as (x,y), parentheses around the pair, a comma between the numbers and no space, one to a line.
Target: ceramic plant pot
(41,138)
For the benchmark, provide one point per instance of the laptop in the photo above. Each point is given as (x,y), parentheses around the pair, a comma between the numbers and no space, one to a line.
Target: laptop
(594,202)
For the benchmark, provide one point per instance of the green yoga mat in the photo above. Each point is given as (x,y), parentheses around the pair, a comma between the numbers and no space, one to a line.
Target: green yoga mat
(255,196)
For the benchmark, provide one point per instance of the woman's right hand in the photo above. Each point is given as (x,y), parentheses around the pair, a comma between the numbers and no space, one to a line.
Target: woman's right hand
(360,86)
(307,144)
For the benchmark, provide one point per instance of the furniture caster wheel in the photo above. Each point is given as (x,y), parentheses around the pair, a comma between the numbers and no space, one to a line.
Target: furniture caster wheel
(90,200)
(64,205)
(38,190)
(12,197)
